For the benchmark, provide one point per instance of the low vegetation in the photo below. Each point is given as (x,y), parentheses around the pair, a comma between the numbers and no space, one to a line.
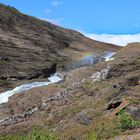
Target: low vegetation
(125,122)
(91,86)
(106,128)
(134,101)
(103,128)
(2,62)
(9,8)
(35,134)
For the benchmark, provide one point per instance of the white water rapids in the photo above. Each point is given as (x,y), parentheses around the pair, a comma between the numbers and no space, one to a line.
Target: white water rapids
(53,79)
(5,95)
(109,56)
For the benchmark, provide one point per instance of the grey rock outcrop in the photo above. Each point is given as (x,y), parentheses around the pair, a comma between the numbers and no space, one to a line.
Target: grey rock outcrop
(83,118)
(101,75)
(134,111)
(18,117)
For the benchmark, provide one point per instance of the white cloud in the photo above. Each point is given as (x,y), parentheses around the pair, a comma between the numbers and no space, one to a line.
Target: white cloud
(56,2)
(115,39)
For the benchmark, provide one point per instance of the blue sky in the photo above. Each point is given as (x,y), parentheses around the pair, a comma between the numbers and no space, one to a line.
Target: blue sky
(117,17)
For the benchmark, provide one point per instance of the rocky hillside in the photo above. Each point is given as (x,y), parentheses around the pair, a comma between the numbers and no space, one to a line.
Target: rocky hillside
(93,103)
(98,102)
(31,48)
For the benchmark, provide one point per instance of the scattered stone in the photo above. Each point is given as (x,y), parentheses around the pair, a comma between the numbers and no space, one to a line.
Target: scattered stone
(118,86)
(18,118)
(83,118)
(96,77)
(91,93)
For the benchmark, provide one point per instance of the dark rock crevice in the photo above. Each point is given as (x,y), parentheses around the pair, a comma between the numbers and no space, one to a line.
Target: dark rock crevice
(114,105)
(42,73)
(47,72)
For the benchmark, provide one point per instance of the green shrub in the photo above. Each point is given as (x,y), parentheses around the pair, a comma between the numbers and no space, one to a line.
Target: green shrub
(125,122)
(91,136)
(3,62)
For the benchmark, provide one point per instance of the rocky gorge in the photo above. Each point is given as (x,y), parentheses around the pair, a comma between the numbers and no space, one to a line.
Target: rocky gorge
(57,77)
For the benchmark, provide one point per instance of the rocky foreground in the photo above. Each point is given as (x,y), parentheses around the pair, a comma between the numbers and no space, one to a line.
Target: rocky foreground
(95,102)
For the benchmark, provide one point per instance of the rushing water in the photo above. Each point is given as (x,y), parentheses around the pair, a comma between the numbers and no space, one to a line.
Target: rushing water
(108,56)
(88,60)
(5,95)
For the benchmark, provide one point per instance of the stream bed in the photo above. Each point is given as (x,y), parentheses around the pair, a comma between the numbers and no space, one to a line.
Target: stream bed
(52,79)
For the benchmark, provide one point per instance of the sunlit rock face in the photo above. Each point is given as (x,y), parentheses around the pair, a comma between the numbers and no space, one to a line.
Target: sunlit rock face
(101,75)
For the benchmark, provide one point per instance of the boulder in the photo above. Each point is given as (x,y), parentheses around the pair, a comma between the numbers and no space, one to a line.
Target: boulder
(102,75)
(83,118)
(134,111)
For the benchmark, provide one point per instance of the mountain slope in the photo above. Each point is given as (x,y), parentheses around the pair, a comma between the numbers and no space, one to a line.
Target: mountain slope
(93,103)
(31,48)
(97,102)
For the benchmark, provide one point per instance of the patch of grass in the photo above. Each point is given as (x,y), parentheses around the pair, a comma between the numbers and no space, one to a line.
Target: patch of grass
(91,136)
(114,90)
(134,101)
(78,98)
(92,86)
(35,134)
(2,62)
(126,122)
(61,65)
(101,129)
(72,110)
